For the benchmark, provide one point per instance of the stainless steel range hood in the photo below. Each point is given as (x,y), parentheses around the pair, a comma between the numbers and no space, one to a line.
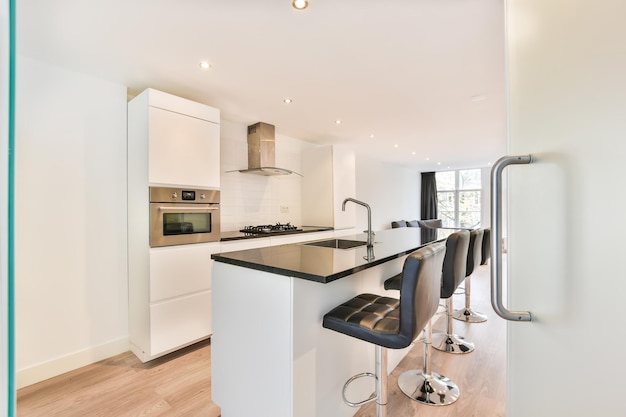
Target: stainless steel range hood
(261,151)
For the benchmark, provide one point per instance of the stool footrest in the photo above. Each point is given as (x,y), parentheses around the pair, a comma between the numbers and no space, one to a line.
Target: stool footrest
(372,397)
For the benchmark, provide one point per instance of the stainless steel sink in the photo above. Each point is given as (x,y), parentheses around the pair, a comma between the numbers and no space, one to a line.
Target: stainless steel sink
(337,243)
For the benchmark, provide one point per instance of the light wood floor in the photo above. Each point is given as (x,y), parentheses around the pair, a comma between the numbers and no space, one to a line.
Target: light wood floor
(180,384)
(480,375)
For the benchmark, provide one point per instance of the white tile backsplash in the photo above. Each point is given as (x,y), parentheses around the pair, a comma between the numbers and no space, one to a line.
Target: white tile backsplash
(249,199)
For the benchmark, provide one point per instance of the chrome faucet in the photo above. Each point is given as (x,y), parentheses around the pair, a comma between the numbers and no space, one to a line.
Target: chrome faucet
(370,234)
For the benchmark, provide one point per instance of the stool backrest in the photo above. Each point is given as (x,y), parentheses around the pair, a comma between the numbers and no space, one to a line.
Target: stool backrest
(433,223)
(475,247)
(454,262)
(421,284)
(398,223)
(486,251)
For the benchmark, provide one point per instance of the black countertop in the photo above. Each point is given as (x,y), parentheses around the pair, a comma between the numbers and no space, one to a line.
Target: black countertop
(236,235)
(323,264)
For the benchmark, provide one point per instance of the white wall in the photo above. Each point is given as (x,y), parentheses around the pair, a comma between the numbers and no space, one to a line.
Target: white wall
(249,199)
(485,218)
(392,191)
(71,278)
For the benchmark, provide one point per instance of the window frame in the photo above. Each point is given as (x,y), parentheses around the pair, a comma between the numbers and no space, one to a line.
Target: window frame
(456,193)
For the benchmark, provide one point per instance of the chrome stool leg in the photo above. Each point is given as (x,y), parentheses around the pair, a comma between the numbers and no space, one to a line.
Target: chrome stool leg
(381,381)
(467,314)
(449,342)
(425,386)
(380,375)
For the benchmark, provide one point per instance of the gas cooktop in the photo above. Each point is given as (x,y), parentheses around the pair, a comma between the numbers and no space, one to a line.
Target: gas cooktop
(270,228)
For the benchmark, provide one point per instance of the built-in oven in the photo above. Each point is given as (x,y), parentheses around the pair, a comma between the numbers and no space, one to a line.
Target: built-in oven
(180,216)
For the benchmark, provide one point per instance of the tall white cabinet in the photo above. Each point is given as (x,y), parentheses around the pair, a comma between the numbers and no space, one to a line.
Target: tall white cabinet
(173,142)
(328,178)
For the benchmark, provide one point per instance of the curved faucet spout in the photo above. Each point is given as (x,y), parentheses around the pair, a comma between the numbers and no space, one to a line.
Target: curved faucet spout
(370,242)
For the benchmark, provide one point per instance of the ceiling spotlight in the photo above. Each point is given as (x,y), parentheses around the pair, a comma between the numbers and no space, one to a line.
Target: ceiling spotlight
(337,122)
(412,153)
(287,100)
(205,65)
(427,158)
(300,4)
(395,146)
(372,136)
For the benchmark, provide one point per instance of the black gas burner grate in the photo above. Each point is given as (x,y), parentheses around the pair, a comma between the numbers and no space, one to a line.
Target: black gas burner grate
(270,228)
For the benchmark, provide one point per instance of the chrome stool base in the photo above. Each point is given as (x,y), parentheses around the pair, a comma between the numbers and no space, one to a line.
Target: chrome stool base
(451,343)
(432,389)
(469,316)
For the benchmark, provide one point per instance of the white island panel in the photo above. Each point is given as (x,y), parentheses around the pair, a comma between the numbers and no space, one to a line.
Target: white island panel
(270,354)
(251,346)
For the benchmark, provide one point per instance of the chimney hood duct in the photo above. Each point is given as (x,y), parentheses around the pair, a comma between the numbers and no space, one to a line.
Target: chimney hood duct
(261,151)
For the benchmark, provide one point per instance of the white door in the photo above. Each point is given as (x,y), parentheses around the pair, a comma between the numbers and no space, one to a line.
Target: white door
(566,222)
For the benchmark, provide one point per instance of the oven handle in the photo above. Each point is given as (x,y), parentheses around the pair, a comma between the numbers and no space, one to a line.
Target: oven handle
(161,208)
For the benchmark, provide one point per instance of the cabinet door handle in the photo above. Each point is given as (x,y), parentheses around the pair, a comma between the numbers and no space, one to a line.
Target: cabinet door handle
(162,208)
(496,238)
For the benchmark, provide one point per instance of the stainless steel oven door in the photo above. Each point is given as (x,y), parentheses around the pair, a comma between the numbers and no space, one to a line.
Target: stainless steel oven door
(181,223)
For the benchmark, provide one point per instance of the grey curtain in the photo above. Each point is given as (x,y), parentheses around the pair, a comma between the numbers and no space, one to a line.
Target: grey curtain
(429,196)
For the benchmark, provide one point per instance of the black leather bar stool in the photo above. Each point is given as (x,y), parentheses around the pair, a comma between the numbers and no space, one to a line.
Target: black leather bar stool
(432,223)
(454,267)
(398,223)
(485,254)
(466,314)
(393,323)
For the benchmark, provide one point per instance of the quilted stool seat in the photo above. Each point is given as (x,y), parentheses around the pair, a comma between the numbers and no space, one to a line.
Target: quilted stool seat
(392,323)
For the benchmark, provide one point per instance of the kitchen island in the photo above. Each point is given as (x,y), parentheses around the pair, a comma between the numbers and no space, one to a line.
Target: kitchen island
(270,355)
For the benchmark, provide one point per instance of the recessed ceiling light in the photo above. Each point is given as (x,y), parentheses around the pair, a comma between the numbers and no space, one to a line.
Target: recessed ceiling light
(438,163)
(427,158)
(337,122)
(413,153)
(395,146)
(287,100)
(205,65)
(300,4)
(372,136)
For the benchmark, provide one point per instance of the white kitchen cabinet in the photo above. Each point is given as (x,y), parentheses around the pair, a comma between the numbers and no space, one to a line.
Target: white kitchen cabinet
(180,270)
(179,138)
(328,178)
(171,141)
(244,244)
(179,322)
(170,298)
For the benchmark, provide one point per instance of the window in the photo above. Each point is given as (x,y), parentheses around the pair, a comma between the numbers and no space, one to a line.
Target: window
(459,196)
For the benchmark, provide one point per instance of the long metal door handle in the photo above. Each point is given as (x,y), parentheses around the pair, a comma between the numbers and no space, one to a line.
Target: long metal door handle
(162,208)
(496,238)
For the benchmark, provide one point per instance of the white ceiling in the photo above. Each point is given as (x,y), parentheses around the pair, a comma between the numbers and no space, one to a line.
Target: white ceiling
(403,70)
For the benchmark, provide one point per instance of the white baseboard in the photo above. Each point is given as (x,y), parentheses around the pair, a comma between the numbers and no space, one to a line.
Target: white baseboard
(45,370)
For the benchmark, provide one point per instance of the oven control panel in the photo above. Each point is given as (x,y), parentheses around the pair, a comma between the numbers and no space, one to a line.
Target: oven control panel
(183,195)
(188,195)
